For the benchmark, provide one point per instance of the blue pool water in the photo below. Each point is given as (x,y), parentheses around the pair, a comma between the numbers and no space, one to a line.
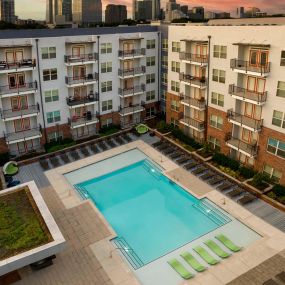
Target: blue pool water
(151,213)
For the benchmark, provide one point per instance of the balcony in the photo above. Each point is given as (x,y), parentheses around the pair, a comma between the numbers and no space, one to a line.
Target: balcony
(133,53)
(135,90)
(12,114)
(125,111)
(251,124)
(192,123)
(197,59)
(86,100)
(71,60)
(16,66)
(198,104)
(193,81)
(246,148)
(24,135)
(254,97)
(90,78)
(246,67)
(77,122)
(27,88)
(131,72)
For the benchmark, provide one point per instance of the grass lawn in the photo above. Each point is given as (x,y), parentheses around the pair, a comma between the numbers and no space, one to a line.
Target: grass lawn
(21,228)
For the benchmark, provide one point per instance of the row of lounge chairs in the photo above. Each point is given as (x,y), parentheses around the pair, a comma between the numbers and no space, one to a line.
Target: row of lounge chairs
(204,255)
(280,277)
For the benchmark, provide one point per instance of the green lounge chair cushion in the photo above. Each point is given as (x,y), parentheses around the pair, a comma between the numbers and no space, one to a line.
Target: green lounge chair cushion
(216,249)
(228,243)
(193,262)
(205,255)
(180,269)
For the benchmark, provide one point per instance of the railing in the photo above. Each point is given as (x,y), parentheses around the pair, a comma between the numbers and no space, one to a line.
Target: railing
(75,121)
(24,63)
(199,81)
(132,90)
(24,134)
(131,71)
(247,66)
(199,103)
(7,89)
(244,120)
(80,58)
(27,110)
(81,79)
(193,57)
(259,97)
(91,97)
(199,125)
(131,109)
(131,52)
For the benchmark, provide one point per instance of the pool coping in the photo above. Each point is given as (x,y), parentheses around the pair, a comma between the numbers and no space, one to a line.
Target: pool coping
(272,237)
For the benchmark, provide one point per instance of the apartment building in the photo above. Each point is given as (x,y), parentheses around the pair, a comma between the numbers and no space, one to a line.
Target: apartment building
(226,86)
(71,82)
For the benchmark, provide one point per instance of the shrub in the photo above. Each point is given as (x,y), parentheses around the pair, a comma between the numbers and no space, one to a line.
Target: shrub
(177,133)
(226,161)
(58,145)
(246,172)
(162,127)
(279,190)
(259,181)
(109,130)
(4,157)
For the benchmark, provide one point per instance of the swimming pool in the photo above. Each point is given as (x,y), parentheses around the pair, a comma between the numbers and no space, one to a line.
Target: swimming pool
(151,215)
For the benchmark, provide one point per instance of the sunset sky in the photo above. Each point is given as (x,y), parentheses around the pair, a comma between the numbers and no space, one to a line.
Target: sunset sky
(36,8)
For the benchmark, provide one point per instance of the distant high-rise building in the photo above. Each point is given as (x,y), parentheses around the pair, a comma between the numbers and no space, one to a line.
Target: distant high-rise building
(146,10)
(67,10)
(87,11)
(58,11)
(196,13)
(240,12)
(7,11)
(115,13)
(184,9)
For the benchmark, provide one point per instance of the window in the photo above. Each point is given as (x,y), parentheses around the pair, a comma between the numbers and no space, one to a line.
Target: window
(106,86)
(214,143)
(106,67)
(150,78)
(217,99)
(106,122)
(220,51)
(164,78)
(164,61)
(106,48)
(272,173)
(150,95)
(216,121)
(282,62)
(55,136)
(175,105)
(174,122)
(219,75)
(150,61)
(165,44)
(175,66)
(281,89)
(150,44)
(53,117)
(107,105)
(50,74)
(278,119)
(176,46)
(163,95)
(175,86)
(51,95)
(276,147)
(150,112)
(48,52)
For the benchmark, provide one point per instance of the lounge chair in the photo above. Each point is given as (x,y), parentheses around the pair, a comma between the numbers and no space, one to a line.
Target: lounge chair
(119,140)
(13,183)
(246,199)
(175,155)
(281,276)
(54,161)
(235,192)
(216,180)
(193,262)
(74,154)
(216,249)
(182,160)
(94,148)
(180,269)
(84,151)
(225,186)
(102,145)
(207,175)
(206,255)
(199,170)
(190,165)
(168,150)
(227,242)
(110,143)
(163,146)
(156,144)
(127,138)
(44,164)
(65,158)
(270,282)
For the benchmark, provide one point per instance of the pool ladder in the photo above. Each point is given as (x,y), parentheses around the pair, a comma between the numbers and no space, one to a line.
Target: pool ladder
(82,192)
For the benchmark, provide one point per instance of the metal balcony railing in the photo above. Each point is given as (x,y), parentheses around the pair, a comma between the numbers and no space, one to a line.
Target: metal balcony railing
(132,90)
(81,79)
(24,63)
(247,66)
(192,57)
(131,52)
(131,109)
(200,82)
(198,103)
(7,89)
(88,118)
(199,125)
(82,58)
(131,71)
(24,111)
(91,97)
(23,134)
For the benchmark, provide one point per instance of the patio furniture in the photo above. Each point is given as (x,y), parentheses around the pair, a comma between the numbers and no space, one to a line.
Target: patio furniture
(216,180)
(10,168)
(235,192)
(127,138)
(94,148)
(225,186)
(168,150)
(216,249)
(110,143)
(119,140)
(64,158)
(54,161)
(191,165)
(180,269)
(142,129)
(74,154)
(163,146)
(227,242)
(102,145)
(44,164)
(270,282)
(183,159)
(175,155)
(193,262)
(281,276)
(199,170)
(13,183)
(206,255)
(247,198)
(207,175)
(156,144)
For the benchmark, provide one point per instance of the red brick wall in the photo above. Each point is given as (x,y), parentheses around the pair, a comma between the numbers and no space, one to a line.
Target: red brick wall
(65,129)
(115,116)
(3,146)
(170,113)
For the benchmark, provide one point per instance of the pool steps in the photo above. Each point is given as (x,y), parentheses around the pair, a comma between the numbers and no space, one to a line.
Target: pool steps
(152,169)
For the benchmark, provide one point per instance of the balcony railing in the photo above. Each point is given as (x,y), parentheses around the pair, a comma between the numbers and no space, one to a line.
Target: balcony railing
(89,118)
(82,58)
(90,98)
(199,58)
(24,63)
(198,103)
(91,77)
(7,89)
(243,93)
(247,66)
(200,82)
(132,90)
(23,112)
(23,135)
(131,71)
(130,109)
(245,121)
(191,122)
(131,52)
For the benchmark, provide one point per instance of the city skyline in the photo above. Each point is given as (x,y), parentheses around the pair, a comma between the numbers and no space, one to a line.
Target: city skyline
(37,11)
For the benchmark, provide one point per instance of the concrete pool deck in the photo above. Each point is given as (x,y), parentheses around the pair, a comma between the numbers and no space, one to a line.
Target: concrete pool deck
(272,243)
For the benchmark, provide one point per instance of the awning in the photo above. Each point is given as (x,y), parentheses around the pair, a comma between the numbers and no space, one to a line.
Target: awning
(252,45)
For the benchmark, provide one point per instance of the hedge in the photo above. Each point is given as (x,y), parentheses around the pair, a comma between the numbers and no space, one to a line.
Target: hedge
(177,133)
